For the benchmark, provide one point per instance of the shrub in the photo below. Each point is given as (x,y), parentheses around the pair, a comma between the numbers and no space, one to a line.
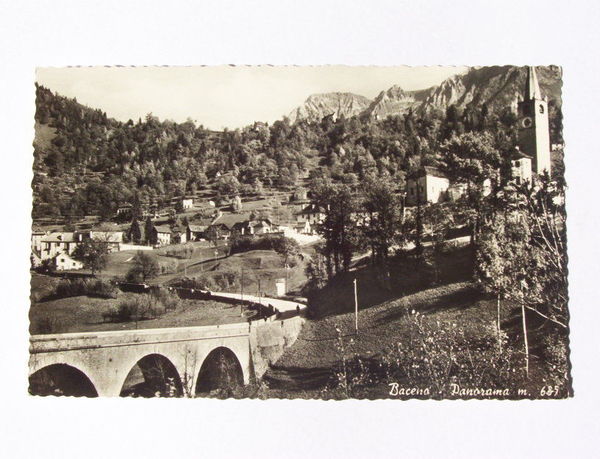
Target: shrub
(168,300)
(91,287)
(144,306)
(168,267)
(266,242)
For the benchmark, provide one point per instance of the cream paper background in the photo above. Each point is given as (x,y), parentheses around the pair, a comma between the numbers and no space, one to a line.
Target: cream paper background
(59,33)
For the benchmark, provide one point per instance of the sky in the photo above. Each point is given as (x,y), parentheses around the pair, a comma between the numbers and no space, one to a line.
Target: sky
(225,96)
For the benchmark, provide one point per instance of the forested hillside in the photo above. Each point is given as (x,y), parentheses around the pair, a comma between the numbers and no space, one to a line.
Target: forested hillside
(87,163)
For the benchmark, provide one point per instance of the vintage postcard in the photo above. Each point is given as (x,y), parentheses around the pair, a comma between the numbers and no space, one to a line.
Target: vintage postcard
(325,232)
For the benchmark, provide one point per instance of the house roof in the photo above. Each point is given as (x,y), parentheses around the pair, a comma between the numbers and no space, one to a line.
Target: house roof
(162,229)
(197,228)
(428,170)
(59,237)
(312,209)
(230,220)
(518,154)
(264,222)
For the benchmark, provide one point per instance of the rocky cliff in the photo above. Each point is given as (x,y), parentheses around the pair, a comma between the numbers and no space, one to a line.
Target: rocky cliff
(317,106)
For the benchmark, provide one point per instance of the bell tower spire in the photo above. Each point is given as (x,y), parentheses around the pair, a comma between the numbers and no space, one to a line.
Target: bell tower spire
(534,128)
(532,87)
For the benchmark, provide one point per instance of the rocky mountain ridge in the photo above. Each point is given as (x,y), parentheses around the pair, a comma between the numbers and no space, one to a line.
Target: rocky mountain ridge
(497,87)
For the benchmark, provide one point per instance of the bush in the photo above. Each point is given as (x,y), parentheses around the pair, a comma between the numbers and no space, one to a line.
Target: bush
(78,287)
(144,306)
(266,242)
(168,300)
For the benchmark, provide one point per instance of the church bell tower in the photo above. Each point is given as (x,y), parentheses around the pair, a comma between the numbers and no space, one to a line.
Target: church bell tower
(534,128)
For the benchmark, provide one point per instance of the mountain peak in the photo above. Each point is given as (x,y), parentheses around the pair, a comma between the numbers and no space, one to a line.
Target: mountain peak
(317,106)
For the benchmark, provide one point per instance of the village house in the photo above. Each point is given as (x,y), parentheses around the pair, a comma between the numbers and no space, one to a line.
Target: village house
(312,214)
(160,235)
(113,238)
(197,231)
(252,227)
(64,262)
(187,202)
(179,235)
(219,230)
(36,239)
(125,211)
(428,185)
(299,196)
(59,242)
(303,228)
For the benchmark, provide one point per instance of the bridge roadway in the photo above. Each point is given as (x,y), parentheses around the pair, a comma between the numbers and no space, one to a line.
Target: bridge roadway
(192,359)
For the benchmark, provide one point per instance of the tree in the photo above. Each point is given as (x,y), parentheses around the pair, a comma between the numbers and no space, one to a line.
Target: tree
(228,184)
(522,255)
(438,219)
(237,204)
(472,160)
(258,187)
(148,229)
(338,228)
(286,247)
(145,266)
(384,209)
(316,270)
(135,232)
(93,254)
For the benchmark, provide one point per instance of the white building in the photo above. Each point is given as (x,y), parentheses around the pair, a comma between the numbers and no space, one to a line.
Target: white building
(521,167)
(429,185)
(161,235)
(114,239)
(36,240)
(54,243)
(63,262)
(312,214)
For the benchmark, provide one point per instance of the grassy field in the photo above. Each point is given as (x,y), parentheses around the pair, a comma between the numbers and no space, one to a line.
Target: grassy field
(259,267)
(84,314)
(386,322)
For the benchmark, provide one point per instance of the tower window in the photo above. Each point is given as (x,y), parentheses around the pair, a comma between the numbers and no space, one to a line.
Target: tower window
(541,108)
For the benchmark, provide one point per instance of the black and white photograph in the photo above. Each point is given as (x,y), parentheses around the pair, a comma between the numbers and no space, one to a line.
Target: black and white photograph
(317,229)
(313,232)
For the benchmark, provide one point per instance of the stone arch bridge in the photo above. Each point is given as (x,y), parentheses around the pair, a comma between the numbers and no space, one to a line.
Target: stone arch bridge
(184,361)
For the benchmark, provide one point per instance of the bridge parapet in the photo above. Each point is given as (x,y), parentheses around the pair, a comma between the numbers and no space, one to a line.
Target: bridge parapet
(92,340)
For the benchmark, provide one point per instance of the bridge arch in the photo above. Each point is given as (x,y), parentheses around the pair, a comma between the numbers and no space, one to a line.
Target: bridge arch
(154,375)
(221,370)
(61,379)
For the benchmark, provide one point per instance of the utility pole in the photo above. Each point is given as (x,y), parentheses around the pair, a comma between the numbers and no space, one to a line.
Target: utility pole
(242,291)
(259,297)
(355,307)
